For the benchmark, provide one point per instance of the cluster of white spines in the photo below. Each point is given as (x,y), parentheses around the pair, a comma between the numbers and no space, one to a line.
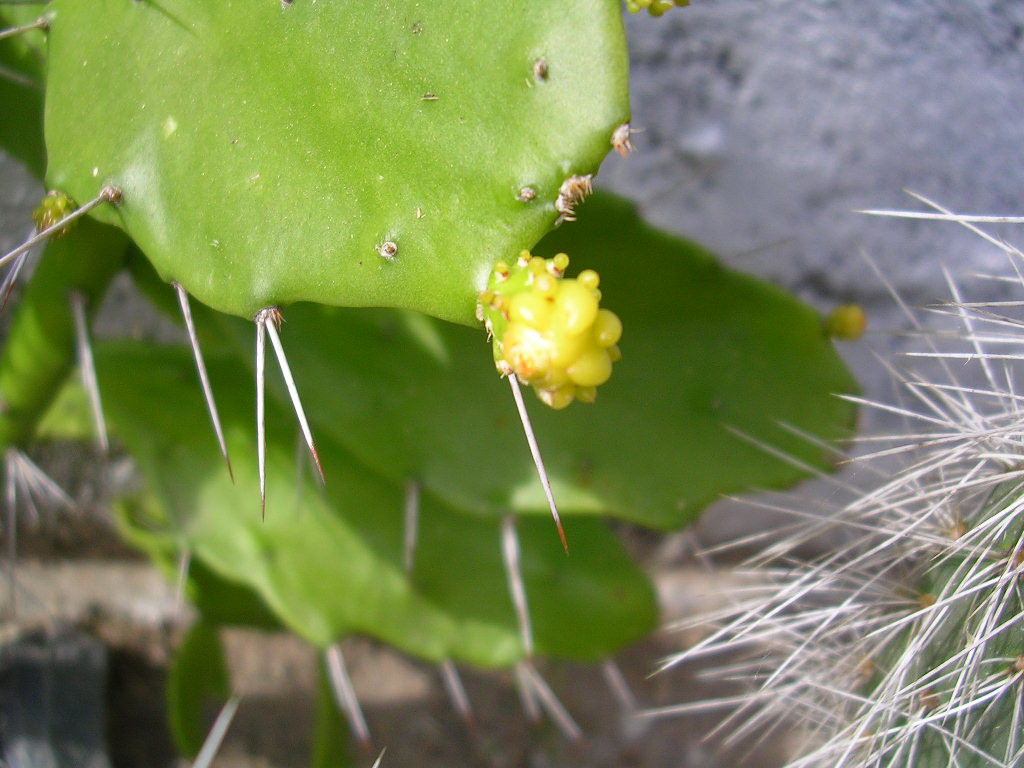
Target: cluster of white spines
(903,646)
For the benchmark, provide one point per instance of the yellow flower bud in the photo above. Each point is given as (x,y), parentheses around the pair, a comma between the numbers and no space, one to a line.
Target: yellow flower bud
(549,330)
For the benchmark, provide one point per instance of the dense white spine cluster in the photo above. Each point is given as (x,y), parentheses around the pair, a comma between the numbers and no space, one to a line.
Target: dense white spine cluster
(904,644)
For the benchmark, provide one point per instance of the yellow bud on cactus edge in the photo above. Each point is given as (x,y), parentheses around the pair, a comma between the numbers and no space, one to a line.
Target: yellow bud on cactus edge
(54,207)
(549,330)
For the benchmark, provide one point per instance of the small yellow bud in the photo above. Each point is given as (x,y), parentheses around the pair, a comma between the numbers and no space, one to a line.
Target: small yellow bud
(576,307)
(588,278)
(847,322)
(54,207)
(549,330)
(530,308)
(607,328)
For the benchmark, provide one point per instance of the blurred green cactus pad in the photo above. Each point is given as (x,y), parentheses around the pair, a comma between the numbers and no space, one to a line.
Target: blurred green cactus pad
(328,561)
(351,154)
(715,366)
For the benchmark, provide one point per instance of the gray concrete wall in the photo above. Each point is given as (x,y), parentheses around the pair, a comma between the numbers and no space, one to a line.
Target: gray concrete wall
(767,123)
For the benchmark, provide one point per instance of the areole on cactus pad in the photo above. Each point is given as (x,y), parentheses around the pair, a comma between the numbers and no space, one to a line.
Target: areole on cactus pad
(351,154)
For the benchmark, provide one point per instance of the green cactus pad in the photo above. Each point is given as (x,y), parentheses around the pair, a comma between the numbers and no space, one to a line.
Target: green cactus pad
(353,154)
(713,361)
(329,561)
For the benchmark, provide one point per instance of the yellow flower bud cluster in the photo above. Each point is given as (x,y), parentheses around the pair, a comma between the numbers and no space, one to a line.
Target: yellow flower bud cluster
(549,330)
(54,207)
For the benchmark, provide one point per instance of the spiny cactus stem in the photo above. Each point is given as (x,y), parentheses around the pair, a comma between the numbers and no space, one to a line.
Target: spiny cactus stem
(345,695)
(517,589)
(21,472)
(37,484)
(204,379)
(106,195)
(457,692)
(271,320)
(411,527)
(555,709)
(214,739)
(41,23)
(531,440)
(87,365)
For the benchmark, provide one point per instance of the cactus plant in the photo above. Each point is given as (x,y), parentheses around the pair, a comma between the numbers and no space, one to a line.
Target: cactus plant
(341,128)
(360,169)
(903,646)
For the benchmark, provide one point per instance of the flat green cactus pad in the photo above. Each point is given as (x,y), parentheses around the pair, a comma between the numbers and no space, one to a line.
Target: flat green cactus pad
(328,561)
(713,363)
(354,154)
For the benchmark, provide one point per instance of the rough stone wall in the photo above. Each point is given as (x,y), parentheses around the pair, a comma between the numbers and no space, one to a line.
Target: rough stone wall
(767,123)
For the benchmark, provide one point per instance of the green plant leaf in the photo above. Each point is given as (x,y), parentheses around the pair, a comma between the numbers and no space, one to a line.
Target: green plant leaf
(198,684)
(267,151)
(709,354)
(329,562)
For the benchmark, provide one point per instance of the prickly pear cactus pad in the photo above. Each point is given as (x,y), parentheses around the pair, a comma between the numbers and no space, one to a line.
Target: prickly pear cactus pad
(329,561)
(709,355)
(346,153)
